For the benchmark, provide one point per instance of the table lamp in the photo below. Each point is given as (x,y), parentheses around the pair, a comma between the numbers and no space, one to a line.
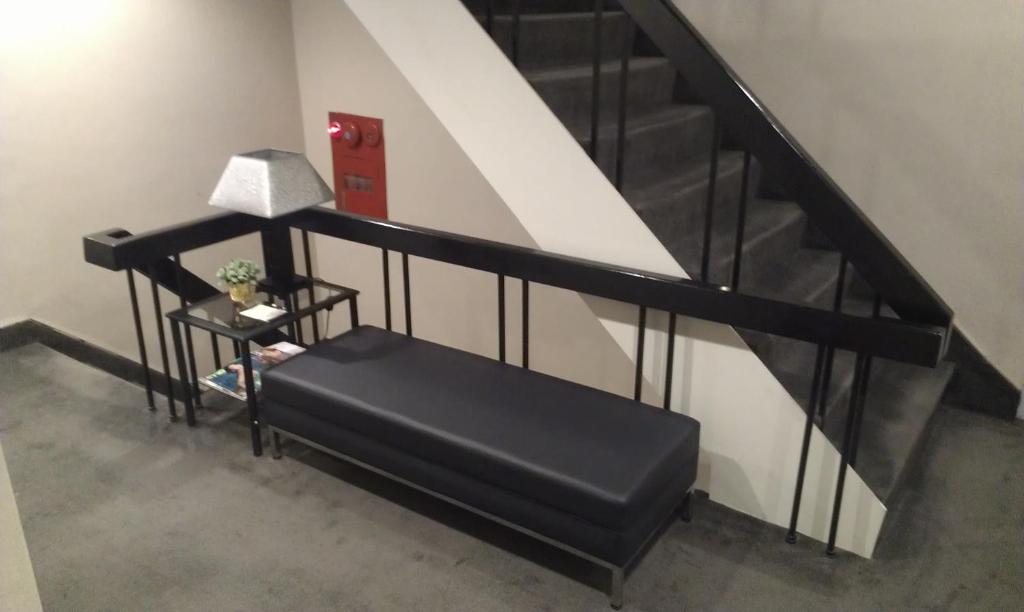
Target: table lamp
(270,183)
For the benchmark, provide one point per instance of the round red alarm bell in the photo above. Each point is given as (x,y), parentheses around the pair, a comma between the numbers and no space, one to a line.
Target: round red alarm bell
(372,135)
(350,134)
(347,131)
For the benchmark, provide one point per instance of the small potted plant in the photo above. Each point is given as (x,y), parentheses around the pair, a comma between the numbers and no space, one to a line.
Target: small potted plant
(240,277)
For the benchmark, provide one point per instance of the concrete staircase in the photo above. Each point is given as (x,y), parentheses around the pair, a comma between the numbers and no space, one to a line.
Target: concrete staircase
(666,174)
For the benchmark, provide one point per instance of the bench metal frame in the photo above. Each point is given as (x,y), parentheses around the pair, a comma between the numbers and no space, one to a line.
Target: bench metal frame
(618,573)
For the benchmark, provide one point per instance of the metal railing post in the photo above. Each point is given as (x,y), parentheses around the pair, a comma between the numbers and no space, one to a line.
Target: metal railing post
(595,91)
(844,459)
(641,326)
(620,152)
(146,377)
(670,359)
(709,205)
(501,318)
(741,223)
(805,444)
(157,311)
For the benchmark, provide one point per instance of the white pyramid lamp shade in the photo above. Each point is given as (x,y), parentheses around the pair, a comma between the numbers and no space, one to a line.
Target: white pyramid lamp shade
(270,183)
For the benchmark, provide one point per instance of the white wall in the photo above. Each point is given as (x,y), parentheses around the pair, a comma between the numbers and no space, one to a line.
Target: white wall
(916,109)
(431,182)
(120,119)
(117,113)
(461,102)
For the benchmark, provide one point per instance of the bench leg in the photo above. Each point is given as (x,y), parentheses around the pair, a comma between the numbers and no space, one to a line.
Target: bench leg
(685,513)
(615,593)
(275,441)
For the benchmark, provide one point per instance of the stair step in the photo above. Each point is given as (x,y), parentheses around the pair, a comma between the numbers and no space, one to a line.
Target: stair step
(808,278)
(560,39)
(792,363)
(478,7)
(567,90)
(771,235)
(658,143)
(674,207)
(900,403)
(666,182)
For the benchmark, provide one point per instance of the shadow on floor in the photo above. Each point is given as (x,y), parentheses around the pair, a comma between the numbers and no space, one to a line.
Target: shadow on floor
(123,510)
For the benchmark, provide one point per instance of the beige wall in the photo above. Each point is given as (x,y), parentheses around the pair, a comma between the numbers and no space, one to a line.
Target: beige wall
(454,111)
(916,108)
(431,182)
(118,113)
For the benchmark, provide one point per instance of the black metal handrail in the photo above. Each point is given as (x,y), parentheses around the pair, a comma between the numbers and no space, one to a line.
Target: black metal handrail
(899,340)
(760,132)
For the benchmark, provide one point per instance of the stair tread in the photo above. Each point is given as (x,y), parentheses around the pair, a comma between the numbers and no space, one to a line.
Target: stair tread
(901,401)
(650,120)
(690,175)
(532,7)
(764,219)
(794,371)
(816,272)
(586,18)
(666,188)
(580,71)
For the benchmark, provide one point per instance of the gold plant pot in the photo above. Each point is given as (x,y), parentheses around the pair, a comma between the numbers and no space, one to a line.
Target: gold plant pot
(242,293)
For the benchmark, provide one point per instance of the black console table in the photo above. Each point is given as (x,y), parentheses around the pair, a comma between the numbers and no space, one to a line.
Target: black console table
(300,297)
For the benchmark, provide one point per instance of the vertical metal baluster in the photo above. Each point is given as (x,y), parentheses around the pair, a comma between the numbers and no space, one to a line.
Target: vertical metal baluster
(876,309)
(620,152)
(251,400)
(501,317)
(489,22)
(526,324)
(353,311)
(837,307)
(387,289)
(147,379)
(171,408)
(183,373)
(180,278)
(293,298)
(215,347)
(516,9)
(309,288)
(741,223)
(670,359)
(709,206)
(805,445)
(641,332)
(408,298)
(595,90)
(844,459)
(237,347)
(289,306)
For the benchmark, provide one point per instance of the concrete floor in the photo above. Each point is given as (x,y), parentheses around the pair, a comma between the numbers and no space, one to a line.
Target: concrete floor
(124,511)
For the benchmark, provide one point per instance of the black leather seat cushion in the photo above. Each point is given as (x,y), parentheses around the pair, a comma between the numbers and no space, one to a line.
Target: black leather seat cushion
(589,453)
(614,546)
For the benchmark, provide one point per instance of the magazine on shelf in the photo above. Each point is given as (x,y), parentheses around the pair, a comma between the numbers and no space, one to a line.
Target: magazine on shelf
(230,380)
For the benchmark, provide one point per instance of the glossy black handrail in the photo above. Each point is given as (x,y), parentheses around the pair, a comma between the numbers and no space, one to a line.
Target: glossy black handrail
(911,342)
(748,120)
(149,246)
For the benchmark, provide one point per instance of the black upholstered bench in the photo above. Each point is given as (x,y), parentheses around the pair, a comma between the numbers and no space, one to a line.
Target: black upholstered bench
(585,470)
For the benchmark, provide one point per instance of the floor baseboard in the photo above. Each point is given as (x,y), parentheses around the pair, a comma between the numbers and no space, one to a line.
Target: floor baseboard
(977,385)
(30,331)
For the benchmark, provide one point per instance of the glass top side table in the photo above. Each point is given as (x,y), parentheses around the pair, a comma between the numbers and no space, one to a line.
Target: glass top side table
(300,297)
